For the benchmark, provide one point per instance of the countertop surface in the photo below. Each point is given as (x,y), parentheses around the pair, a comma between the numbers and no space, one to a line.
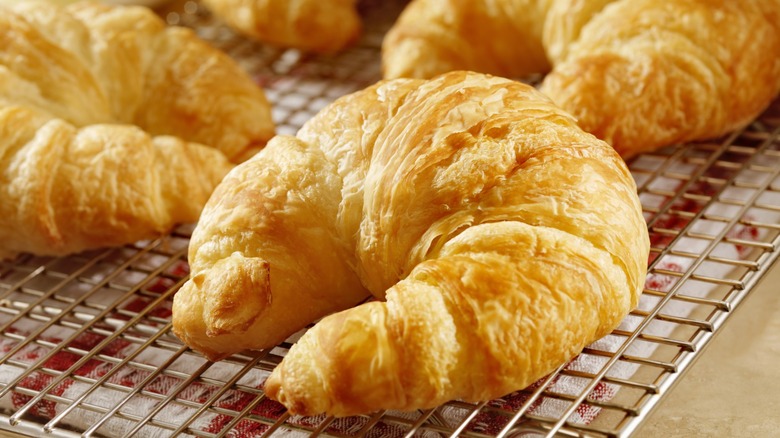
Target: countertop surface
(733,389)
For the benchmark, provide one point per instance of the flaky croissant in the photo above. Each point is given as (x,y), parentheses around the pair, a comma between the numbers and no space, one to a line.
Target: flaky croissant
(89,63)
(66,189)
(76,173)
(313,25)
(503,237)
(640,74)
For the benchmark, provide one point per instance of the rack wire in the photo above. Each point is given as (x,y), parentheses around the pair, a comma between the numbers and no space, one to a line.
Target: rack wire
(86,340)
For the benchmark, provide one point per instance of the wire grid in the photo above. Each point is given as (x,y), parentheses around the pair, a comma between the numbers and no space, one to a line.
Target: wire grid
(88,348)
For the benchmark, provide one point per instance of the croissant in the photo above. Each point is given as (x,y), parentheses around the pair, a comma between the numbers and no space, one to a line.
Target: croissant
(76,172)
(502,236)
(639,74)
(89,63)
(66,189)
(323,26)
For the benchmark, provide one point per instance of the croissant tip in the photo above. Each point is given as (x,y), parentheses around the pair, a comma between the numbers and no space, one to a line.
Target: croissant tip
(272,388)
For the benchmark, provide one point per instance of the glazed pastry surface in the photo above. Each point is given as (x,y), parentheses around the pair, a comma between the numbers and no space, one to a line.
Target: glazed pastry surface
(503,238)
(65,189)
(639,74)
(323,26)
(104,114)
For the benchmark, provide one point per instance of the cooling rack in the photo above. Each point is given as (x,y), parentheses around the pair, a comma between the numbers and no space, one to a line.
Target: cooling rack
(87,347)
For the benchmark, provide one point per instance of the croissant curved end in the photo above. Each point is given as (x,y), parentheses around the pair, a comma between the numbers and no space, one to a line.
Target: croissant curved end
(240,293)
(229,297)
(299,399)
(361,341)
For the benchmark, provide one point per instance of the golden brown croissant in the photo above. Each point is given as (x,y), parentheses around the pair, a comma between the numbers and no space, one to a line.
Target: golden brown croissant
(76,173)
(504,239)
(89,63)
(640,74)
(312,25)
(65,189)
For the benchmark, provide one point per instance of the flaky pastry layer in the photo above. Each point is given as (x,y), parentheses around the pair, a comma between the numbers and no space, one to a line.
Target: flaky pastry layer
(502,237)
(639,74)
(105,118)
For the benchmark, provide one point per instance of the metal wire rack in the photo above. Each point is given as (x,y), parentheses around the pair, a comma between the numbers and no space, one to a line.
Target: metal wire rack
(86,340)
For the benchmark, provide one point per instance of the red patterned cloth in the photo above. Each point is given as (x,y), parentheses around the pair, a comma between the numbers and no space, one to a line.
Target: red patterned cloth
(488,421)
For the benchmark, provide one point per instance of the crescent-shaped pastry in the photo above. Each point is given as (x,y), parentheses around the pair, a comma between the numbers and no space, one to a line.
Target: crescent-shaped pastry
(323,26)
(503,238)
(100,111)
(639,74)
